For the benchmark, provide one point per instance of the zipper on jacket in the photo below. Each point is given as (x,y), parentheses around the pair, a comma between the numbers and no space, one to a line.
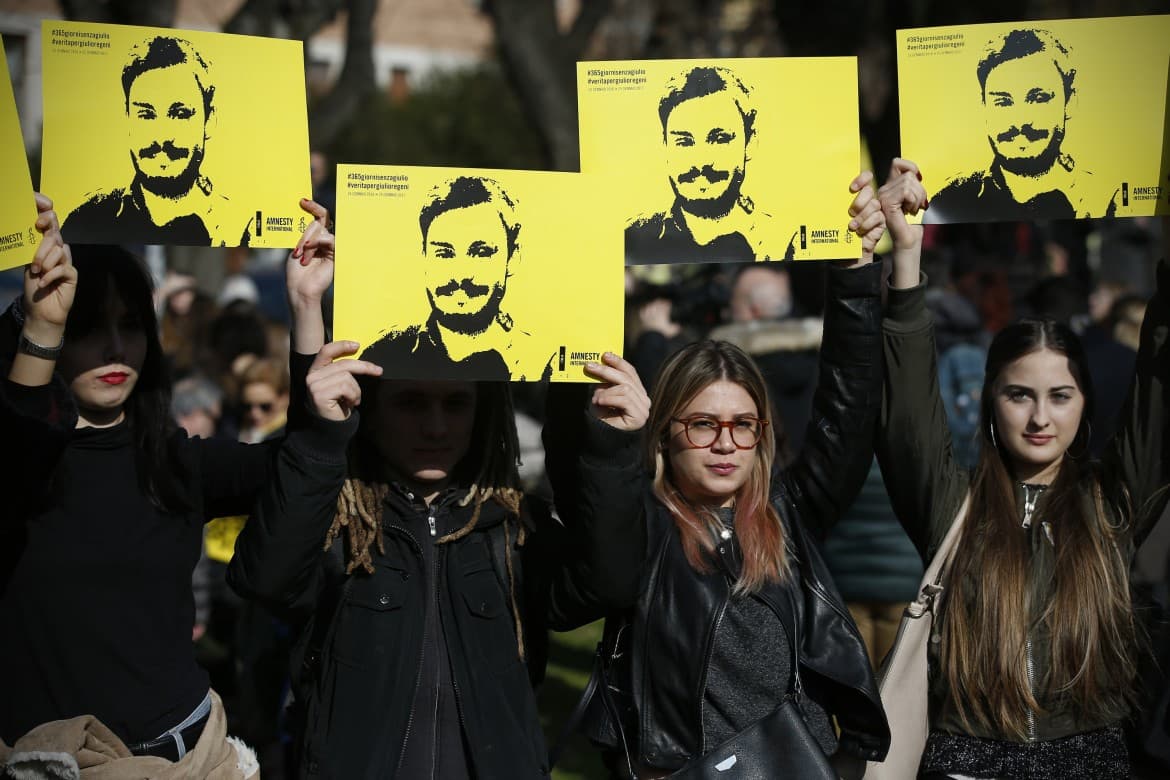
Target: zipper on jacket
(707,659)
(1031,496)
(438,667)
(431,519)
(422,648)
(1031,667)
(706,670)
(459,710)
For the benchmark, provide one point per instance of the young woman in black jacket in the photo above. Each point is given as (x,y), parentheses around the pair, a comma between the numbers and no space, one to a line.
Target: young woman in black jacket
(687,529)
(428,575)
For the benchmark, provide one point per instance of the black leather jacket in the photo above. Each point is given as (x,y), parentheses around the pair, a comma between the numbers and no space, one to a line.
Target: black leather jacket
(633,559)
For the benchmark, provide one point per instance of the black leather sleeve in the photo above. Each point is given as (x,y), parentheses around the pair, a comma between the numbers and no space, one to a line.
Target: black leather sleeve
(838,447)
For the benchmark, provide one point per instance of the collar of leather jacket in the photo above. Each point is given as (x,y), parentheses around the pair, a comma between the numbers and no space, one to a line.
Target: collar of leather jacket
(673,632)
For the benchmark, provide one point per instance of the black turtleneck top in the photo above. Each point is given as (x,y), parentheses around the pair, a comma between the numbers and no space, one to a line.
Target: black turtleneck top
(95,581)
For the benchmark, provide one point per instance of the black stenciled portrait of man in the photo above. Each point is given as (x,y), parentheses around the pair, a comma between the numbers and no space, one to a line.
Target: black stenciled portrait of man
(170,105)
(1027,83)
(708,123)
(470,245)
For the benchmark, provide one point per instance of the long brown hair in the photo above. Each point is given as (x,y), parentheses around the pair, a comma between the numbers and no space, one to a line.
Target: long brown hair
(761,537)
(989,612)
(488,472)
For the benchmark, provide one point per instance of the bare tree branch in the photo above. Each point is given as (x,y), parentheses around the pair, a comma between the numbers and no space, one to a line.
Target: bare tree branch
(283,18)
(542,64)
(356,81)
(585,25)
(150,13)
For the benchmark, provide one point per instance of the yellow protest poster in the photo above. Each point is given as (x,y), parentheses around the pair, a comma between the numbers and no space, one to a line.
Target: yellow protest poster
(219,537)
(725,160)
(1059,119)
(448,273)
(18,210)
(159,136)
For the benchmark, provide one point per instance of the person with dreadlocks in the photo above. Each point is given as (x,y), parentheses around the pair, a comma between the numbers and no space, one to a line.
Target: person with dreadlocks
(427,575)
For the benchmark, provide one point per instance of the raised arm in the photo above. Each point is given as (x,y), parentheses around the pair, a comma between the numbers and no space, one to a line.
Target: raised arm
(913,447)
(308,274)
(37,412)
(1136,456)
(278,552)
(233,473)
(600,485)
(838,447)
(50,282)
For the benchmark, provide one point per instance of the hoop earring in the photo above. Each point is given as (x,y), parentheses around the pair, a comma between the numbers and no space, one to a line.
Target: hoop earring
(1088,431)
(991,428)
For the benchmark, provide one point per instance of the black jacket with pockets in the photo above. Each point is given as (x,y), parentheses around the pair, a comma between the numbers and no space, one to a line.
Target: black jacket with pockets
(363,651)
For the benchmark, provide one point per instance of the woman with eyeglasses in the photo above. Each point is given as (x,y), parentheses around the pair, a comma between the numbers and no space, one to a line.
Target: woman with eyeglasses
(704,551)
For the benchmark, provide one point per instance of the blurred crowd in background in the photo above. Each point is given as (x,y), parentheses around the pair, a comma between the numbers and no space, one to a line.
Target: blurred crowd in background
(225,323)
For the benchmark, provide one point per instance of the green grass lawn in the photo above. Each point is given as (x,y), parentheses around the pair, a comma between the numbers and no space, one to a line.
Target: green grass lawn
(569,664)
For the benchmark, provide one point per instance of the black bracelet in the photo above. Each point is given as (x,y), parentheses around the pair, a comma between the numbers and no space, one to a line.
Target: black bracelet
(30,347)
(17,310)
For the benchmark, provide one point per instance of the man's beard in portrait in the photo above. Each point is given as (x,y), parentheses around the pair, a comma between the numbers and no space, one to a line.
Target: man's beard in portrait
(1034,166)
(710,208)
(173,187)
(470,323)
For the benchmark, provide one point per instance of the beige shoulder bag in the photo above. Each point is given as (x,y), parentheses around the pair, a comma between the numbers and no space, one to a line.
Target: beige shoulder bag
(903,676)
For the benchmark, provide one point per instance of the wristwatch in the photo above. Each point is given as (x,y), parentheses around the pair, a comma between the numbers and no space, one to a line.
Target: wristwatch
(36,350)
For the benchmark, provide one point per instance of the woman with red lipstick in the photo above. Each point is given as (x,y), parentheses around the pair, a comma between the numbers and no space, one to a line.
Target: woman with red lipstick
(1034,671)
(705,552)
(105,503)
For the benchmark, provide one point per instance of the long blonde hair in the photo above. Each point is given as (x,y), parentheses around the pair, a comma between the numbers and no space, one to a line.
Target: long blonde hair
(757,524)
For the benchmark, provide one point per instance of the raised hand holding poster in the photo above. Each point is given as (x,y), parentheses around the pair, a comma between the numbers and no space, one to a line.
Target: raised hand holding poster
(1057,119)
(160,136)
(725,160)
(446,273)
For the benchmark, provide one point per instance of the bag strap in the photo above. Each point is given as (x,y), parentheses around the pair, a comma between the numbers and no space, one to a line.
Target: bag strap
(608,649)
(946,550)
(578,714)
(932,588)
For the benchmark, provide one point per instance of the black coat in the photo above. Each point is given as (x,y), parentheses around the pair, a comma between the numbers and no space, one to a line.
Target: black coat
(632,558)
(365,642)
